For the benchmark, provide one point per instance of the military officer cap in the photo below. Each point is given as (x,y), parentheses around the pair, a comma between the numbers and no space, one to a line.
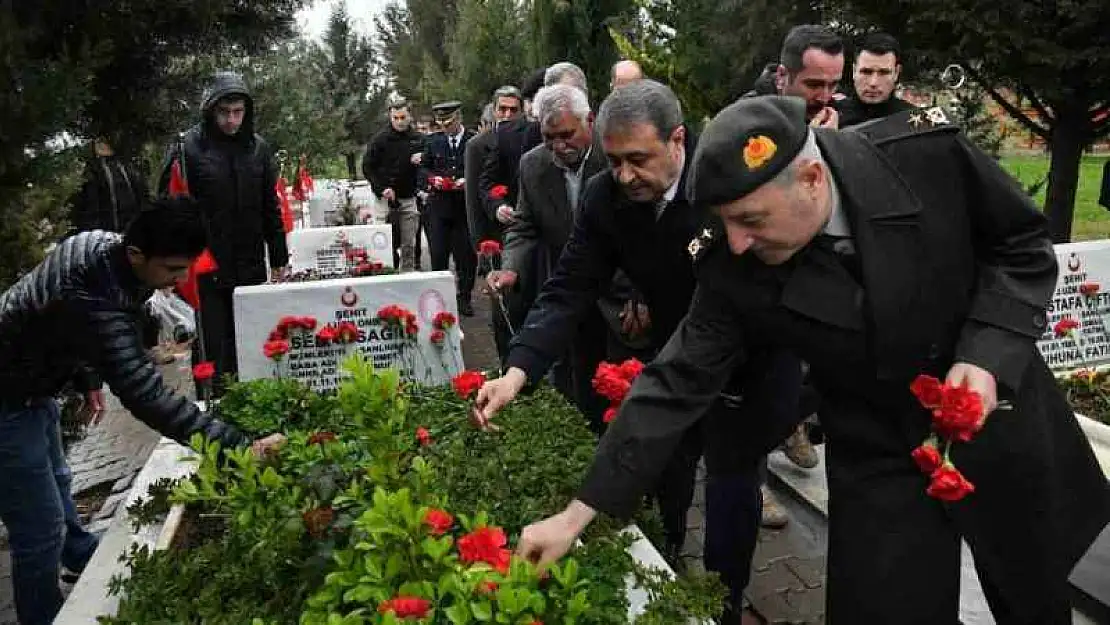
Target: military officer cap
(446,110)
(744,146)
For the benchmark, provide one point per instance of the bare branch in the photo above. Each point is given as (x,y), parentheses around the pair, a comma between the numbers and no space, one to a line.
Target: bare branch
(1010,107)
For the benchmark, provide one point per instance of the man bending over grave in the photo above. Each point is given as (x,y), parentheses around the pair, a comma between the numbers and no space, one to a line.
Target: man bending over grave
(74,319)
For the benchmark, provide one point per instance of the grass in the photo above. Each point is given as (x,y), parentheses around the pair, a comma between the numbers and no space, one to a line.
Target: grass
(1091,220)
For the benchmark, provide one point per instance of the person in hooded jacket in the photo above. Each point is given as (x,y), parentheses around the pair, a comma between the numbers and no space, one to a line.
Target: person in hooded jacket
(230,172)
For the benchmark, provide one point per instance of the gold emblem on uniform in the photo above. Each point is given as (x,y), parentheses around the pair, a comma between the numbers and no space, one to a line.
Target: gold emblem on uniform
(936,116)
(916,120)
(700,243)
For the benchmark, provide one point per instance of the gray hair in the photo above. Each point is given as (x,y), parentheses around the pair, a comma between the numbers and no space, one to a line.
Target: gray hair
(567,73)
(642,102)
(558,98)
(809,153)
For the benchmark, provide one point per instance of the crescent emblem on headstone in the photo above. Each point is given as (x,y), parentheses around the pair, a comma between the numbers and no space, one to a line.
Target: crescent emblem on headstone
(1073,262)
(349,298)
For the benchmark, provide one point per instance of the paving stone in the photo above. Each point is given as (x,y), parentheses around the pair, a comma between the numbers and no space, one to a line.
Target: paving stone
(810,572)
(109,507)
(123,483)
(694,518)
(773,546)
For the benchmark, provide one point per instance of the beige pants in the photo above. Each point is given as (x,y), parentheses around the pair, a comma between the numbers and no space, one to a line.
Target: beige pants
(408,220)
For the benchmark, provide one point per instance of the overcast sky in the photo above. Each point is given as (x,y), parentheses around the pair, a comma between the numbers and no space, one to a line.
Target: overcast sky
(314,19)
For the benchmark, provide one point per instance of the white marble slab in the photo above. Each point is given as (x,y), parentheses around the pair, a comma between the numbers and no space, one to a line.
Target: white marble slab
(258,309)
(324,249)
(1087,262)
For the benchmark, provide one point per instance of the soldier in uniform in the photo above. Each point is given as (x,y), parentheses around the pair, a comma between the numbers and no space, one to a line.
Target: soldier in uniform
(443,173)
(876,257)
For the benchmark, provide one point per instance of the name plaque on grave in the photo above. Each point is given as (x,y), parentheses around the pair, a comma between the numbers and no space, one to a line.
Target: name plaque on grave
(431,357)
(326,249)
(1076,336)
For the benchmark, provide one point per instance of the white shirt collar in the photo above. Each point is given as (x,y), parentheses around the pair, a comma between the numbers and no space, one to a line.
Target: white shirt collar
(669,196)
(457,137)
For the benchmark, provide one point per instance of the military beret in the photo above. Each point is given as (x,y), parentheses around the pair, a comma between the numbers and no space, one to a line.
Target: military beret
(747,144)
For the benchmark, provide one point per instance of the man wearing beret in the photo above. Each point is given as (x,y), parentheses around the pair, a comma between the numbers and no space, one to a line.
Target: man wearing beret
(443,171)
(876,259)
(635,217)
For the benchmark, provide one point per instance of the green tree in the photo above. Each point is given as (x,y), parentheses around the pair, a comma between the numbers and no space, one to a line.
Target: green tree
(579,32)
(414,39)
(347,69)
(1044,63)
(710,52)
(481,56)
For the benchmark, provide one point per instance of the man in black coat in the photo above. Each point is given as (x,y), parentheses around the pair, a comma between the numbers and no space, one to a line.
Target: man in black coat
(847,250)
(73,320)
(635,218)
(391,165)
(875,74)
(443,173)
(231,174)
(506,108)
(111,195)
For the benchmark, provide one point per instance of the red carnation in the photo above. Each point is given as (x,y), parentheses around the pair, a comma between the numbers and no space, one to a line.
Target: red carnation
(320,438)
(467,383)
(423,436)
(486,544)
(610,414)
(610,384)
(928,390)
(438,338)
(960,414)
(1065,326)
(439,522)
(327,334)
(498,192)
(1089,288)
(204,370)
(928,458)
(277,334)
(489,247)
(275,349)
(444,320)
(631,369)
(347,332)
(948,484)
(307,323)
(288,322)
(488,587)
(406,607)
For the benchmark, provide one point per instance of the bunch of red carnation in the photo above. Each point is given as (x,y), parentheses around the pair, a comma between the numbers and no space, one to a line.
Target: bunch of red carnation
(613,382)
(957,416)
(399,317)
(1065,327)
(366,267)
(489,248)
(443,183)
(498,192)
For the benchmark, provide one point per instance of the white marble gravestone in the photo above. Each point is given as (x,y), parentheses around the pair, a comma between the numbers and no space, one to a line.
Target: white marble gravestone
(325,201)
(259,308)
(1080,263)
(323,249)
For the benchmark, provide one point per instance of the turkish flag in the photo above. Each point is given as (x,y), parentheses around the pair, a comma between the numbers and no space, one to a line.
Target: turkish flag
(205,263)
(283,200)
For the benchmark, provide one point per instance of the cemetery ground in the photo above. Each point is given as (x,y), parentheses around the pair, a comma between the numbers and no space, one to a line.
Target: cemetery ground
(1091,220)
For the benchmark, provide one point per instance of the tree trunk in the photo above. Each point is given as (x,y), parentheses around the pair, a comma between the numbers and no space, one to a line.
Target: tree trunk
(1069,138)
(352,170)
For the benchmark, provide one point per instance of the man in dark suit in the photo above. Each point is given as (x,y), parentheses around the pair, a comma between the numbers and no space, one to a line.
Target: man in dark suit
(634,217)
(506,107)
(875,75)
(843,247)
(443,174)
(551,179)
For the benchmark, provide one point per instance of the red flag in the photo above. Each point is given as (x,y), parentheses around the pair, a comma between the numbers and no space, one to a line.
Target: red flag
(299,192)
(205,263)
(178,186)
(283,200)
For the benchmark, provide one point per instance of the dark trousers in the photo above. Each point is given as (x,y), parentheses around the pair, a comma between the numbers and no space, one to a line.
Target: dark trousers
(449,237)
(44,529)
(217,332)
(573,374)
